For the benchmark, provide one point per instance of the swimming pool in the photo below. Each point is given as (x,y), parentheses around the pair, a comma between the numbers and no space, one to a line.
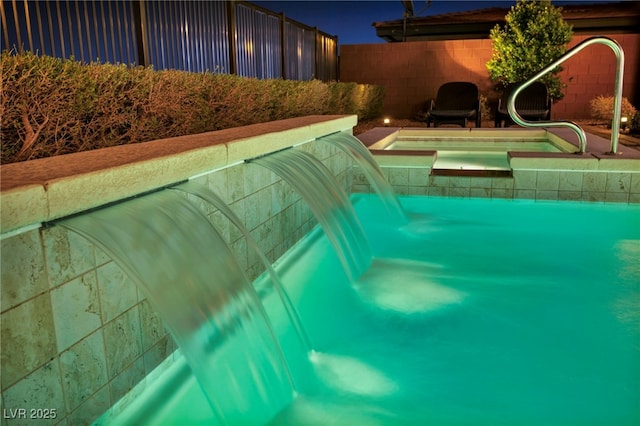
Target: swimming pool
(476,312)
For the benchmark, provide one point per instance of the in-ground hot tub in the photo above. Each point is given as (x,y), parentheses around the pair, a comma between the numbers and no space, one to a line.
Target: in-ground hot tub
(540,163)
(483,151)
(479,140)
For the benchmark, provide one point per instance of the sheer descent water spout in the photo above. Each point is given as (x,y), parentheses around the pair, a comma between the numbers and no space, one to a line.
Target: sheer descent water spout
(363,158)
(212,198)
(168,247)
(329,203)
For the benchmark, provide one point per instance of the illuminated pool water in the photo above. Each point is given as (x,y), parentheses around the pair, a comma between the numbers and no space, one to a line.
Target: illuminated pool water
(477,312)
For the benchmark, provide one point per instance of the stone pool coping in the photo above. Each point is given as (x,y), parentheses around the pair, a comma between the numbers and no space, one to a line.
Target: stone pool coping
(36,191)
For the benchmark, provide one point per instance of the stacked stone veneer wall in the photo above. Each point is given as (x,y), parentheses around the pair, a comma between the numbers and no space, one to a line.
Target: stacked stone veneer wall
(77,334)
(412,72)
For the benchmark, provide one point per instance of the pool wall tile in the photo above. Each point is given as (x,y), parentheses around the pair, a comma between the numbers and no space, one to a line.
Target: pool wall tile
(618,183)
(127,379)
(594,196)
(92,408)
(418,176)
(525,179)
(121,331)
(548,180)
(545,184)
(399,176)
(480,192)
(616,197)
(68,255)
(117,292)
(480,182)
(546,194)
(28,330)
(439,181)
(123,341)
(570,195)
(502,183)
(40,389)
(634,186)
(76,310)
(506,193)
(417,190)
(529,194)
(23,269)
(438,191)
(570,181)
(594,182)
(151,326)
(459,191)
(459,182)
(158,353)
(83,369)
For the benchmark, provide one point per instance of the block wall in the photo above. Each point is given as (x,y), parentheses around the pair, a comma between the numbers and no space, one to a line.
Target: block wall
(412,72)
(76,333)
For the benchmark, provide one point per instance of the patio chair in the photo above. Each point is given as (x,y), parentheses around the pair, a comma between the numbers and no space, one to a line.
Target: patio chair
(533,104)
(455,103)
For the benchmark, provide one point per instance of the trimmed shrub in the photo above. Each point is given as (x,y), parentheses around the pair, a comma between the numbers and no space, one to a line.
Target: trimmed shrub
(353,98)
(634,128)
(51,106)
(602,108)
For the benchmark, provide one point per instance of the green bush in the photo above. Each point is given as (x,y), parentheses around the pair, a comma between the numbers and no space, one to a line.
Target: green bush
(634,127)
(533,37)
(602,108)
(360,99)
(52,106)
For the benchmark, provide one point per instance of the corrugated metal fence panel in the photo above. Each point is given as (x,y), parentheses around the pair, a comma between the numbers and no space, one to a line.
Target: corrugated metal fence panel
(187,35)
(258,43)
(85,30)
(327,58)
(179,34)
(301,52)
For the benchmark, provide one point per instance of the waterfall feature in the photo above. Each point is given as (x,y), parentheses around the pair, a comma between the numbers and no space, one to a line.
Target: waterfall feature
(363,158)
(212,198)
(188,273)
(329,203)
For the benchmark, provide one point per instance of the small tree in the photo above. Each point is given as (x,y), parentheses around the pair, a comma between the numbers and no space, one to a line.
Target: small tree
(534,36)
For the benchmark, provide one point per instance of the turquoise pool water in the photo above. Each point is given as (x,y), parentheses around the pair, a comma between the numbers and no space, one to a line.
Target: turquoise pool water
(477,312)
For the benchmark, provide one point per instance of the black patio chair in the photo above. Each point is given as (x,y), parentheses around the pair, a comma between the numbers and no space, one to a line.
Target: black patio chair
(533,104)
(455,103)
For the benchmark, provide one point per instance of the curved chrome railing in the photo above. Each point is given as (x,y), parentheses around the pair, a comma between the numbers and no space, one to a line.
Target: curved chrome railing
(617,96)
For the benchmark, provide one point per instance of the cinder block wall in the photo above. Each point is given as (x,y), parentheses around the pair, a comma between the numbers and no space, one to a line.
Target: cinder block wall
(77,334)
(413,71)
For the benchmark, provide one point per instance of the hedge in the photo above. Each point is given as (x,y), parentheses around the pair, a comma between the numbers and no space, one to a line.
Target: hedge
(51,106)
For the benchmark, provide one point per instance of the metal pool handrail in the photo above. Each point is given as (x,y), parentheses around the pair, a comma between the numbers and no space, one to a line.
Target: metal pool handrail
(617,96)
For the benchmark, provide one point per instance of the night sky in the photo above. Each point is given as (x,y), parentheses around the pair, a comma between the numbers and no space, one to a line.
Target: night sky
(351,20)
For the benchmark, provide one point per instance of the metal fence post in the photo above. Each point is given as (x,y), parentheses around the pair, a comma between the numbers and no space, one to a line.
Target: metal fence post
(140,30)
(233,50)
(283,44)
